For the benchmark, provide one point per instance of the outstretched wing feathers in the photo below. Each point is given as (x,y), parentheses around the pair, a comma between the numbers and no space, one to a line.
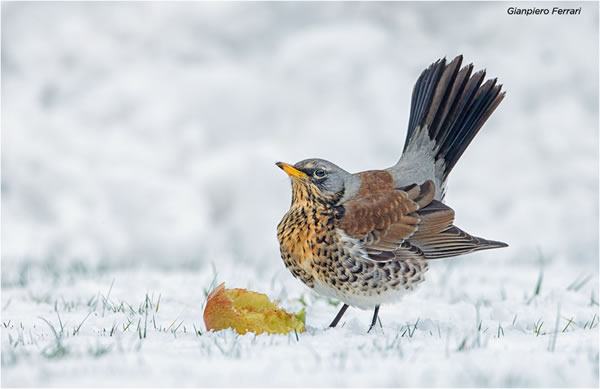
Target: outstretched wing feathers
(379,212)
(395,224)
(386,219)
(435,218)
(452,242)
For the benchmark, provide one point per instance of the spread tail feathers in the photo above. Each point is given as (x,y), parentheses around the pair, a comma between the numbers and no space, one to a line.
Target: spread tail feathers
(451,105)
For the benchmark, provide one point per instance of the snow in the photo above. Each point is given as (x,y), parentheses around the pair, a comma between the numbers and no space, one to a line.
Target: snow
(138,150)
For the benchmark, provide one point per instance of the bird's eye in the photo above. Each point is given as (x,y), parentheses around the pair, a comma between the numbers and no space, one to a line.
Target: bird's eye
(319,173)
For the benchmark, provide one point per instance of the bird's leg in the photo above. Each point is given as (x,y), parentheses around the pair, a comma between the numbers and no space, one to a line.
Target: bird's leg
(374,321)
(339,316)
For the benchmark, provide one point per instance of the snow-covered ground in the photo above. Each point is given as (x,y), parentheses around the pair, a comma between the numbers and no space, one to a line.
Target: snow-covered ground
(138,142)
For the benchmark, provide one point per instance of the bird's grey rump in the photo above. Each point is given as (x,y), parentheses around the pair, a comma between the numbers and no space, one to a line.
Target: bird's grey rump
(418,165)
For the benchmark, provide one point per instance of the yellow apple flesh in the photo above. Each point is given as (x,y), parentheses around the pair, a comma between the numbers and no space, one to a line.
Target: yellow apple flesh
(247,311)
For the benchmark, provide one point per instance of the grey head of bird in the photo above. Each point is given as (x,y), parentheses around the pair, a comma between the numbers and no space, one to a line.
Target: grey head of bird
(320,182)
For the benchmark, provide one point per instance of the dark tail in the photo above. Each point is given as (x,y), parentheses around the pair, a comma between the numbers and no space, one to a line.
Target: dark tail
(453,105)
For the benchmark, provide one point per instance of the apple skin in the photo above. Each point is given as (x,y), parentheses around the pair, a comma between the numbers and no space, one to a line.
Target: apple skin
(219,312)
(247,311)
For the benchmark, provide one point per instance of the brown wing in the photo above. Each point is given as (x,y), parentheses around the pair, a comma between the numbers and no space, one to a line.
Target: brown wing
(386,218)
(437,237)
(452,242)
(394,224)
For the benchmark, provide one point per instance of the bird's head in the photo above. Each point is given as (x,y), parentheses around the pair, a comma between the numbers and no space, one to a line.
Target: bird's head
(319,181)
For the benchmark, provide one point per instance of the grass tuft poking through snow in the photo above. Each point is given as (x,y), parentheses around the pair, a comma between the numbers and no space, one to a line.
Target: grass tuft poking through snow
(81,328)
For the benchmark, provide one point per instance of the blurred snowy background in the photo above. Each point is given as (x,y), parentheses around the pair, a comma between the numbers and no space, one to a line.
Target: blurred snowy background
(139,141)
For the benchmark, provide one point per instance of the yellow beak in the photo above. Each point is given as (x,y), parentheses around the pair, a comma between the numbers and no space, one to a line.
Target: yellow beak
(291,171)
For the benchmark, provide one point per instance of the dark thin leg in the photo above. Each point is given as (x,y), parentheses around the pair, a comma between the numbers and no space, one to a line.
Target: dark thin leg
(374,321)
(339,316)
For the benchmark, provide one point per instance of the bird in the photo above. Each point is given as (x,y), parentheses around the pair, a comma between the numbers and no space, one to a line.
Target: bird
(365,239)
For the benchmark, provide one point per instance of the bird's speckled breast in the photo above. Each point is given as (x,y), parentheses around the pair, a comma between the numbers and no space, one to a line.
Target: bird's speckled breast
(334,264)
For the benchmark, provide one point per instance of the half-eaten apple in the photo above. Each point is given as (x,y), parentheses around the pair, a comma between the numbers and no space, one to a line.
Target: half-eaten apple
(247,311)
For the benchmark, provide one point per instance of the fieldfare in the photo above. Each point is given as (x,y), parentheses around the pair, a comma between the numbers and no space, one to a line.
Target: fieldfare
(366,238)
